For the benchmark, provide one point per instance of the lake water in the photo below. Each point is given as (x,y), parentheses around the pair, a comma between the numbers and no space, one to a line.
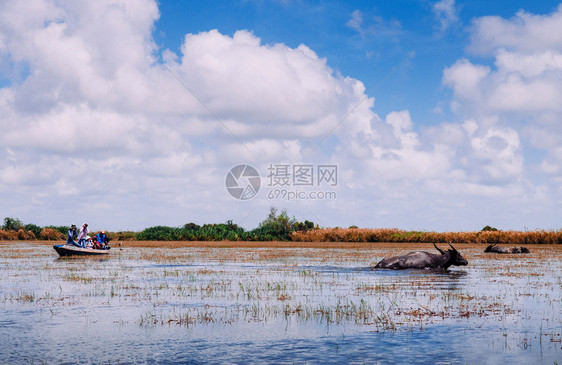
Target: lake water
(277,305)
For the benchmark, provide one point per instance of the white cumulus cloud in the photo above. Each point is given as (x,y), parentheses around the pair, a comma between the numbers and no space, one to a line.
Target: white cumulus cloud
(95,128)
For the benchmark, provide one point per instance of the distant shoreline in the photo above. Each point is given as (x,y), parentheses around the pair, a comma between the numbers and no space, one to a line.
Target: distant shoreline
(273,244)
(280,227)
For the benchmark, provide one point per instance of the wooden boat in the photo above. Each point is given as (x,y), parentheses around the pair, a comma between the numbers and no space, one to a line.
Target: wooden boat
(71,250)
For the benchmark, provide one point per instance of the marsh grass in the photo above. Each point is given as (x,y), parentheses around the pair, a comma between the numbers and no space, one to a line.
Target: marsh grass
(208,285)
(78,278)
(25,297)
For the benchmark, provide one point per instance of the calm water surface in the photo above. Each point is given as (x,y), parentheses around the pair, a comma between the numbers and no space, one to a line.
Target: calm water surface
(266,305)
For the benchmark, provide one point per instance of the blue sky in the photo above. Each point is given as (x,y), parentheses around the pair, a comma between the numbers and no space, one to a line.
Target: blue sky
(392,31)
(98,125)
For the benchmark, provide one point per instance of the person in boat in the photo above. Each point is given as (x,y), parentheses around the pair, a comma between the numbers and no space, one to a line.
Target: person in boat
(95,242)
(101,240)
(70,236)
(83,235)
(89,242)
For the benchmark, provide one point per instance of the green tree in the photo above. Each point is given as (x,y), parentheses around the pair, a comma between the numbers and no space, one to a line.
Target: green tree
(276,226)
(303,226)
(61,229)
(12,224)
(33,228)
(191,226)
(159,233)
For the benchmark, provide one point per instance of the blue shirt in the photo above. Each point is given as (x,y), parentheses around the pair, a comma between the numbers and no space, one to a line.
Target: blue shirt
(70,236)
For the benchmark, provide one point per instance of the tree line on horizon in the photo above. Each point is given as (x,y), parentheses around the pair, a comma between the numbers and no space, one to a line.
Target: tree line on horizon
(280,227)
(277,226)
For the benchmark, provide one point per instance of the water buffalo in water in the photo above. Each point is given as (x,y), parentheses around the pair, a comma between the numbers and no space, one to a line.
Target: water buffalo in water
(424,260)
(497,249)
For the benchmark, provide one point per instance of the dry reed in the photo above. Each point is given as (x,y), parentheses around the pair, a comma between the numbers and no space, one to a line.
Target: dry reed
(51,234)
(396,235)
(19,235)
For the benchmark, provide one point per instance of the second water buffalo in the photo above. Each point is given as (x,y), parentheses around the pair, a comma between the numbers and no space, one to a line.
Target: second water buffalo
(497,249)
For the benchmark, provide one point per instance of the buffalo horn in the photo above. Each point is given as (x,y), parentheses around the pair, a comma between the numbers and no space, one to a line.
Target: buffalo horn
(438,249)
